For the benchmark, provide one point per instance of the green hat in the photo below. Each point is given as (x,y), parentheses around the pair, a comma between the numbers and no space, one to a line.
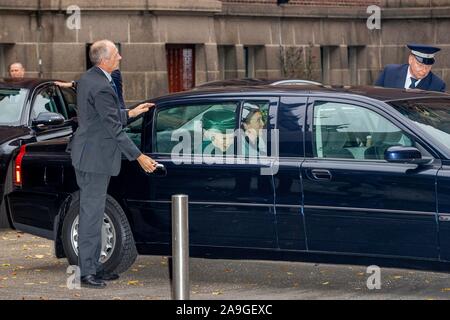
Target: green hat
(220,120)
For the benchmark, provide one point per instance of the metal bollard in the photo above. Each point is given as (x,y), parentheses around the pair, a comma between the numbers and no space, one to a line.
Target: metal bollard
(180,247)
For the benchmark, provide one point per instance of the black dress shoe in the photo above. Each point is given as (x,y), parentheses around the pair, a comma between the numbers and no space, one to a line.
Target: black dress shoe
(106,276)
(90,281)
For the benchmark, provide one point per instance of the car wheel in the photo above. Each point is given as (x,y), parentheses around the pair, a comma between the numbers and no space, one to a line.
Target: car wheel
(118,251)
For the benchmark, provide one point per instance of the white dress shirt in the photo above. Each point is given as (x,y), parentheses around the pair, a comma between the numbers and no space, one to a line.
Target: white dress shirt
(408,79)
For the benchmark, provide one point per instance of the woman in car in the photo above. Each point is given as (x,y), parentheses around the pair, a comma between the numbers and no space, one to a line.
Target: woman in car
(253,123)
(218,132)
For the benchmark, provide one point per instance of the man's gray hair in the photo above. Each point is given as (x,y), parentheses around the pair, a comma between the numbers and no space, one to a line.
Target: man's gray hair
(100,50)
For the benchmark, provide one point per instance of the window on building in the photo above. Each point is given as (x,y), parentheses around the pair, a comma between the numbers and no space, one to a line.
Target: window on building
(3,66)
(354,53)
(327,54)
(180,67)
(227,62)
(249,61)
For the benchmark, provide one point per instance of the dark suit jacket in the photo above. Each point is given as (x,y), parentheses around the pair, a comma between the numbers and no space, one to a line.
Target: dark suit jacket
(116,76)
(394,76)
(99,140)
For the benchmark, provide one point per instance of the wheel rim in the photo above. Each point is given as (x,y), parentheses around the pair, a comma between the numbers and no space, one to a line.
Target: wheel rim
(108,238)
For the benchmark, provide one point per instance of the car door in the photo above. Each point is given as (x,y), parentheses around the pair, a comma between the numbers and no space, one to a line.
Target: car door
(231,204)
(48,98)
(354,200)
(37,214)
(291,116)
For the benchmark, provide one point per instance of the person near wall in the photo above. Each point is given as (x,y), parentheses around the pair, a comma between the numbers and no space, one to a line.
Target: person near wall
(16,70)
(416,74)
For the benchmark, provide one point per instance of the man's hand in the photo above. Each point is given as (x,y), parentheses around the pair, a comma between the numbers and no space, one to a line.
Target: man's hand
(147,163)
(143,107)
(63,84)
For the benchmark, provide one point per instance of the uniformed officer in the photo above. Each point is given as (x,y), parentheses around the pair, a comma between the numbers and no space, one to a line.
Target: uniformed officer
(414,75)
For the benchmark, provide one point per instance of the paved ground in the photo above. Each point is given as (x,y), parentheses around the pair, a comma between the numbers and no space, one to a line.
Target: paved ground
(28,270)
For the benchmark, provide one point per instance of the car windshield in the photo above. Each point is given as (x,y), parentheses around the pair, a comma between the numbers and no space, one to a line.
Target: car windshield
(432,115)
(11,105)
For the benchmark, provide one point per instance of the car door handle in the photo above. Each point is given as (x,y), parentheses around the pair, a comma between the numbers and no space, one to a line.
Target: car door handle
(160,171)
(321,174)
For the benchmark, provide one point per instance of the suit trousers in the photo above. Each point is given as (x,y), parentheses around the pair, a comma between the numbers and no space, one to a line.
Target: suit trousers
(93,189)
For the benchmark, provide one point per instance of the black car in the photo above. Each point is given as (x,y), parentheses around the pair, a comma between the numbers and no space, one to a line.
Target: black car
(30,110)
(355,171)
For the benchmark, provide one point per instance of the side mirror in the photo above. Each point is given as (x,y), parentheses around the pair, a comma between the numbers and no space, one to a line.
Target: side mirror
(45,119)
(399,154)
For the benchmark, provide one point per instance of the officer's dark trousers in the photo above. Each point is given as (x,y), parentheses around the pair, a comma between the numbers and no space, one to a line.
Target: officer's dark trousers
(93,188)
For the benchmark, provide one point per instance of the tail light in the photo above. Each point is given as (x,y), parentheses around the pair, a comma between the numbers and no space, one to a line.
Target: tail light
(18,167)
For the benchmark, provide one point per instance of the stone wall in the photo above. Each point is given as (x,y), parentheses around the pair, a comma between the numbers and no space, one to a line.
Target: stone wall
(344,51)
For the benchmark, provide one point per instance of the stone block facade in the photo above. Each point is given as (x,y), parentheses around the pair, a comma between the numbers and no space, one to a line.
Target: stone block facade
(232,38)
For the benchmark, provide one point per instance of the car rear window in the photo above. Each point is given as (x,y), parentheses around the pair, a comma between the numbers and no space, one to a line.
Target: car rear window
(11,105)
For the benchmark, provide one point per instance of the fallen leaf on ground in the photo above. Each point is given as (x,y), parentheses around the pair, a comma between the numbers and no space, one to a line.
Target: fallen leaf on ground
(6,265)
(446,290)
(398,277)
(133,283)
(216,293)
(325,283)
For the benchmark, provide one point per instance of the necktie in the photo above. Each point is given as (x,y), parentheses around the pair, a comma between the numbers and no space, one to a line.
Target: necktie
(114,87)
(413,83)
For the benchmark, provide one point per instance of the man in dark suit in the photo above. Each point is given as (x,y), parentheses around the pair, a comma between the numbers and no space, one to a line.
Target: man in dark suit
(96,151)
(415,75)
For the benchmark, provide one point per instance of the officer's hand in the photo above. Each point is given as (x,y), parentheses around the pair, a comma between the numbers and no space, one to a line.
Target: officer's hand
(143,107)
(147,164)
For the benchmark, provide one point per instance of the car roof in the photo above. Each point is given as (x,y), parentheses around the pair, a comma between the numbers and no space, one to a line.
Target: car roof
(254,82)
(19,83)
(378,93)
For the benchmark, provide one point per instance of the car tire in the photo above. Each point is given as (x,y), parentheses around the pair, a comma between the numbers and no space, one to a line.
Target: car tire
(122,255)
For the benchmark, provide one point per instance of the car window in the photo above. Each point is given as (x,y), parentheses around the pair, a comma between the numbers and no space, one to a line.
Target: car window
(254,129)
(47,100)
(195,127)
(134,130)
(12,102)
(347,131)
(70,100)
